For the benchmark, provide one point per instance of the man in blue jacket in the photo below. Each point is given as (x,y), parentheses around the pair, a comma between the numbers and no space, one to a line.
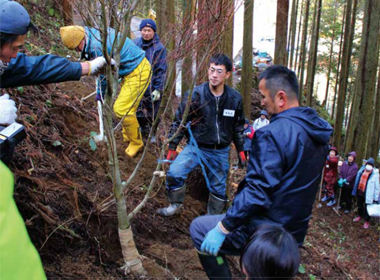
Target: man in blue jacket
(282,177)
(155,52)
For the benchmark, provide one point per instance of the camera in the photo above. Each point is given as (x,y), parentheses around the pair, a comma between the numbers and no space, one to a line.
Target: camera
(10,137)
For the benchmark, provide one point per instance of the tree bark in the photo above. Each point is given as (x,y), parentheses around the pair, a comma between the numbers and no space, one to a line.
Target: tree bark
(324,103)
(67,11)
(365,81)
(297,57)
(187,64)
(228,36)
(349,31)
(293,27)
(303,50)
(246,75)
(313,53)
(280,52)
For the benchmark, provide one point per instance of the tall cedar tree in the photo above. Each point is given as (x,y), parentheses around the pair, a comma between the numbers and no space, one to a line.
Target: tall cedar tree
(292,35)
(246,76)
(227,8)
(313,52)
(297,55)
(303,50)
(360,126)
(280,53)
(343,77)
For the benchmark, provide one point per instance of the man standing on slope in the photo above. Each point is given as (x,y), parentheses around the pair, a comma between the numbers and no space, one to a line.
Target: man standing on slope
(216,113)
(282,177)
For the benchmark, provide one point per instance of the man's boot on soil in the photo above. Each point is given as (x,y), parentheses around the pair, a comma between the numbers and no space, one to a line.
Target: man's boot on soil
(215,204)
(176,198)
(216,268)
(131,129)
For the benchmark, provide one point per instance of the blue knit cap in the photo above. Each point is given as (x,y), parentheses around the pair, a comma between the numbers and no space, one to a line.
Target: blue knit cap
(14,19)
(148,23)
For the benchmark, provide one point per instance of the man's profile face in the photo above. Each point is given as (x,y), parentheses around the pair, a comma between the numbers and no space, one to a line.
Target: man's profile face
(217,74)
(9,51)
(266,100)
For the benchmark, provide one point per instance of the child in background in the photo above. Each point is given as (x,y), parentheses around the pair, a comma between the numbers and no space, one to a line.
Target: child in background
(347,175)
(329,176)
(248,135)
(366,190)
(271,254)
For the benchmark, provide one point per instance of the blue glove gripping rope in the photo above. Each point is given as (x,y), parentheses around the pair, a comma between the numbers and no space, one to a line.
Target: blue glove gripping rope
(201,158)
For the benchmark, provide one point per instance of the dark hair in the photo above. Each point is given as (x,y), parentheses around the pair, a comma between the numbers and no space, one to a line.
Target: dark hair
(279,77)
(221,59)
(271,254)
(6,38)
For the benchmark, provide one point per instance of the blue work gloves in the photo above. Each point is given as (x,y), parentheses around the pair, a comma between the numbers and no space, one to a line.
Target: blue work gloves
(213,241)
(341,182)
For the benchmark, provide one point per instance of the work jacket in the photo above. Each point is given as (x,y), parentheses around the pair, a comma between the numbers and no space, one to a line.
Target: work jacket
(216,121)
(283,175)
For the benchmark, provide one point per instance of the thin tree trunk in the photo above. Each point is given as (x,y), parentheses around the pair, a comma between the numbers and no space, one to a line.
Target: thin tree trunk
(280,52)
(293,27)
(228,36)
(338,65)
(303,50)
(365,80)
(187,64)
(313,53)
(324,103)
(170,17)
(349,31)
(246,76)
(296,60)
(67,11)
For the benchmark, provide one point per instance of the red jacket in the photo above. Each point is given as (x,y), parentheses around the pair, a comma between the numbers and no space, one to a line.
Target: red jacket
(331,170)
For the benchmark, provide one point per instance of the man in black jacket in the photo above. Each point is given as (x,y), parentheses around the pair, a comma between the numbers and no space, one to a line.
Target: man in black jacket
(216,116)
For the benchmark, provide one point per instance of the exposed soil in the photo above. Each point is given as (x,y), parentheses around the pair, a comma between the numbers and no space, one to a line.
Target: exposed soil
(64,194)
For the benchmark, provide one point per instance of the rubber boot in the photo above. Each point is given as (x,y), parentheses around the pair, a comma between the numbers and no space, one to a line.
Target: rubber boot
(176,198)
(132,131)
(215,267)
(215,205)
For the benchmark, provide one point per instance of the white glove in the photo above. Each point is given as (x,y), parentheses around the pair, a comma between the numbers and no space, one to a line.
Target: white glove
(156,95)
(7,110)
(97,64)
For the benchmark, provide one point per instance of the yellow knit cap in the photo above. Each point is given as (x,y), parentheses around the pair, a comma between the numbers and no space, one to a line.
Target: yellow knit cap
(72,36)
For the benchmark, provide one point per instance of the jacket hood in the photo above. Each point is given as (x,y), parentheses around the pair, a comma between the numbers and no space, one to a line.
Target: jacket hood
(317,128)
(371,161)
(352,154)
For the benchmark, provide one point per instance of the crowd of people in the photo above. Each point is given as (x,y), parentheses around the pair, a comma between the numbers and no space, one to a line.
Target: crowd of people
(362,184)
(269,216)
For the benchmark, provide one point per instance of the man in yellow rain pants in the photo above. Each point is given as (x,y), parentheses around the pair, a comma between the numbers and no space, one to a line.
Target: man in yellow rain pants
(134,68)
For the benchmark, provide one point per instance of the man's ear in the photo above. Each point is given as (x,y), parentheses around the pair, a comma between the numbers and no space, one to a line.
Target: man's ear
(228,74)
(282,98)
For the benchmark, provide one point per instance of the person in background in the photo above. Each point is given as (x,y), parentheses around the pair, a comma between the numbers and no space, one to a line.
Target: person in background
(347,175)
(367,190)
(248,135)
(134,69)
(271,254)
(155,52)
(330,176)
(261,121)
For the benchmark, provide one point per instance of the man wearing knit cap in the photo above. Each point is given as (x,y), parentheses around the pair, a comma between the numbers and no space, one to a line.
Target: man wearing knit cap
(155,52)
(134,68)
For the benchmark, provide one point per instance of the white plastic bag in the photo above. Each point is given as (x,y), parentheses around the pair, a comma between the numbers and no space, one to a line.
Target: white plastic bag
(373,210)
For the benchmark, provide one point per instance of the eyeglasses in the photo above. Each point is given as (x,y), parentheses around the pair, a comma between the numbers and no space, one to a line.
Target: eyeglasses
(217,71)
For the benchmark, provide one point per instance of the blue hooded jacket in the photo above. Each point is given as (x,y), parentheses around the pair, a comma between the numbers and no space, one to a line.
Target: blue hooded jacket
(155,52)
(130,55)
(283,175)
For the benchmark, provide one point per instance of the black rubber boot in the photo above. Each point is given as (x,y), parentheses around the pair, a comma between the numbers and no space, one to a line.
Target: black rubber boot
(176,199)
(215,205)
(216,268)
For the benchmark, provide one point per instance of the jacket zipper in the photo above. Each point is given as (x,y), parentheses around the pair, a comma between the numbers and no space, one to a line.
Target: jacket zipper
(217,113)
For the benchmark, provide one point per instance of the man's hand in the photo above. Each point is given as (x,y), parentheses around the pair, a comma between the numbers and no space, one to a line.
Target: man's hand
(156,95)
(213,240)
(172,154)
(7,110)
(242,160)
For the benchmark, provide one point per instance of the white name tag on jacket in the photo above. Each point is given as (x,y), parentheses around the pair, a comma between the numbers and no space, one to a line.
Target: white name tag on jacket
(228,113)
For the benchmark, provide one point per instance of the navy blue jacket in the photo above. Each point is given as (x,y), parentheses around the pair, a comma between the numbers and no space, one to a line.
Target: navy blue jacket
(283,175)
(215,121)
(43,69)
(155,52)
